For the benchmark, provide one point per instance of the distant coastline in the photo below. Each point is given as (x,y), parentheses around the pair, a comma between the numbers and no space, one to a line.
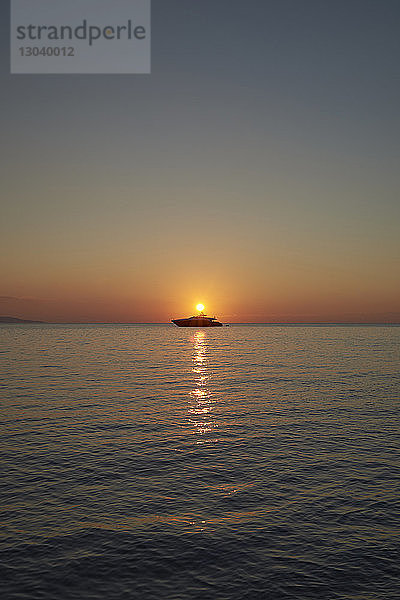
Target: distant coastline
(17,320)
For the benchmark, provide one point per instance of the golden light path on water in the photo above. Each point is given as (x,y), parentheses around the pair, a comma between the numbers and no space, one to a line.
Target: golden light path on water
(201,405)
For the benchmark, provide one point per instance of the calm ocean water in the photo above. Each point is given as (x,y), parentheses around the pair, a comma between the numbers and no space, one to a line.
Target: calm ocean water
(153,462)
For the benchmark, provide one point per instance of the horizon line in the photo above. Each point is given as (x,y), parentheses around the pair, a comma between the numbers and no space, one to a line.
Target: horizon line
(20,321)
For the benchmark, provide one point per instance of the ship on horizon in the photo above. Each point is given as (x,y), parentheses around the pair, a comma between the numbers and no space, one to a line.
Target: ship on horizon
(200,320)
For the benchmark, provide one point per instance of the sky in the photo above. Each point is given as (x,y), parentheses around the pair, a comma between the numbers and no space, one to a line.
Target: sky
(255,170)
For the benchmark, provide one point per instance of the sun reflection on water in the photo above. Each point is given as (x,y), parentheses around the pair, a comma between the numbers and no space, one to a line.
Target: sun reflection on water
(202,403)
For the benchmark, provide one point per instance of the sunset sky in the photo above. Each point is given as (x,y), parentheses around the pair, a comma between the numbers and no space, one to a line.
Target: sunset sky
(256,170)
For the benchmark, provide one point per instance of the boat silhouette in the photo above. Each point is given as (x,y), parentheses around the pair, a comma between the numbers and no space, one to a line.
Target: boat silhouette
(201,320)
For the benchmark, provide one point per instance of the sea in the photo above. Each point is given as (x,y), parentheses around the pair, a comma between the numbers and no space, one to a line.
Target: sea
(154,462)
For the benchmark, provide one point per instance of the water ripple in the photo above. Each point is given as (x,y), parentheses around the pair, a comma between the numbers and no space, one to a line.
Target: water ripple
(149,462)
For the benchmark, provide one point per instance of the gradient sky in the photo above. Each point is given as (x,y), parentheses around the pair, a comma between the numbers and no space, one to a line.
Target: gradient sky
(255,170)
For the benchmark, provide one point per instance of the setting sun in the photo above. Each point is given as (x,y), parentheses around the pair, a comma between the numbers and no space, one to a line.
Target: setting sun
(200,307)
